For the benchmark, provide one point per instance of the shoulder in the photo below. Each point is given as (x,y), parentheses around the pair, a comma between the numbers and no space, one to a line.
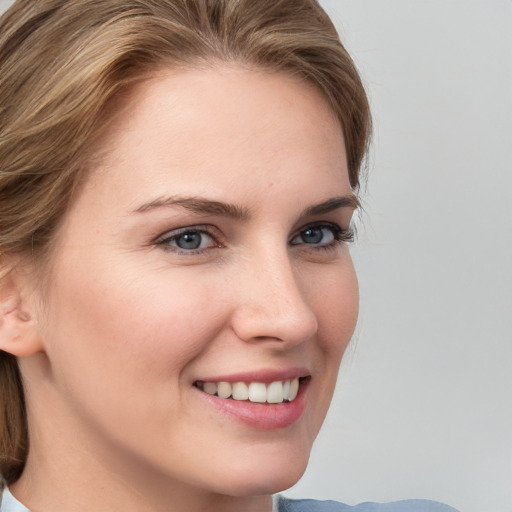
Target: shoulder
(287,505)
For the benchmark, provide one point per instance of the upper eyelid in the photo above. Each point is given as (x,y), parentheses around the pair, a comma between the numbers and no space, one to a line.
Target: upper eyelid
(318,223)
(200,228)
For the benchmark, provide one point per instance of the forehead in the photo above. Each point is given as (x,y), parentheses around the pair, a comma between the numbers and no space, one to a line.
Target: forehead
(219,132)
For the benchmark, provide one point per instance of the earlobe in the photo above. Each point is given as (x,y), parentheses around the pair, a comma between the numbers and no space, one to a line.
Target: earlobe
(18,334)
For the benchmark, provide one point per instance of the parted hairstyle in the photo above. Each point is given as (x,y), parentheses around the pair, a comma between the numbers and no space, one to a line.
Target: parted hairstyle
(62,62)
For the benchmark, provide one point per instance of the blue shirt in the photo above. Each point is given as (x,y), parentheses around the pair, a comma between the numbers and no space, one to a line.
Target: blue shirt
(10,504)
(286,505)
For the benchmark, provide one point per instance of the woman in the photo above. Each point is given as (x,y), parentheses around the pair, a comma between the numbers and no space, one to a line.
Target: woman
(178,179)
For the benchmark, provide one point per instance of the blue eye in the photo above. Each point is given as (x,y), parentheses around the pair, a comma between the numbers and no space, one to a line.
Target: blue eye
(322,235)
(188,240)
(316,235)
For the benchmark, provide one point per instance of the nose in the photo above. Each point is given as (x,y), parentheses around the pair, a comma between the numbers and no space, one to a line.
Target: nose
(271,304)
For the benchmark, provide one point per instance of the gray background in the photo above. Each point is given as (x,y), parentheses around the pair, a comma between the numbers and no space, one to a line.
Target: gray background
(424,406)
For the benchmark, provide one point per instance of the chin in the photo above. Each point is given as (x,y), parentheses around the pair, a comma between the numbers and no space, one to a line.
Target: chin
(265,486)
(263,478)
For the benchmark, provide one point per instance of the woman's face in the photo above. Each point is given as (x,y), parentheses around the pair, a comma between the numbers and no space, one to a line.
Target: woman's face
(207,247)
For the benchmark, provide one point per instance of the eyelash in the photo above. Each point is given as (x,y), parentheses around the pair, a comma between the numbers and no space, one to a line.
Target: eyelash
(165,241)
(339,235)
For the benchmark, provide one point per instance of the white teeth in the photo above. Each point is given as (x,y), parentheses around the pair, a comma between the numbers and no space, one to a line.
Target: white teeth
(258,392)
(210,388)
(240,391)
(275,393)
(286,390)
(224,389)
(294,389)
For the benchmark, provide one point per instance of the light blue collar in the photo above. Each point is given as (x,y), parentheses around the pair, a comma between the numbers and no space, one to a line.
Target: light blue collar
(8,503)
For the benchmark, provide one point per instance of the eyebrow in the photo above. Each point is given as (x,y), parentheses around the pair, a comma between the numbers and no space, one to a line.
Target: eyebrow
(198,205)
(209,207)
(348,201)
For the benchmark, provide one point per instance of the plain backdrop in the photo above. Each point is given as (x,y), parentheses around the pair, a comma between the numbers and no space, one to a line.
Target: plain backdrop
(424,404)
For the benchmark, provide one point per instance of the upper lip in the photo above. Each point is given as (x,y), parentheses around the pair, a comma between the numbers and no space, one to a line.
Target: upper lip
(264,375)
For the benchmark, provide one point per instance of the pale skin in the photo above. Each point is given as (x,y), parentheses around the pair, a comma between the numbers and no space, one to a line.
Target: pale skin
(112,345)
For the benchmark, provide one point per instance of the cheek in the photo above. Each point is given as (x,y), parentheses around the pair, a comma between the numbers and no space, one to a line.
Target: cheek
(129,330)
(336,304)
(335,301)
(342,313)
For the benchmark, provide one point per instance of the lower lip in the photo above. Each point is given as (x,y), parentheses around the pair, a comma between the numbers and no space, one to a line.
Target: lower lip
(263,416)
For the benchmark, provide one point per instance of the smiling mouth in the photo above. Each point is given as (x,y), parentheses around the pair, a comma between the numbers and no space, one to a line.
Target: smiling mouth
(257,392)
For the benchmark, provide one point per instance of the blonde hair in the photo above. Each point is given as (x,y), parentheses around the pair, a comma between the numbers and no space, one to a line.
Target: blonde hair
(62,61)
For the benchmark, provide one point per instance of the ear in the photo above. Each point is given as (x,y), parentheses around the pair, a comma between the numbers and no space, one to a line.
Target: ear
(18,333)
